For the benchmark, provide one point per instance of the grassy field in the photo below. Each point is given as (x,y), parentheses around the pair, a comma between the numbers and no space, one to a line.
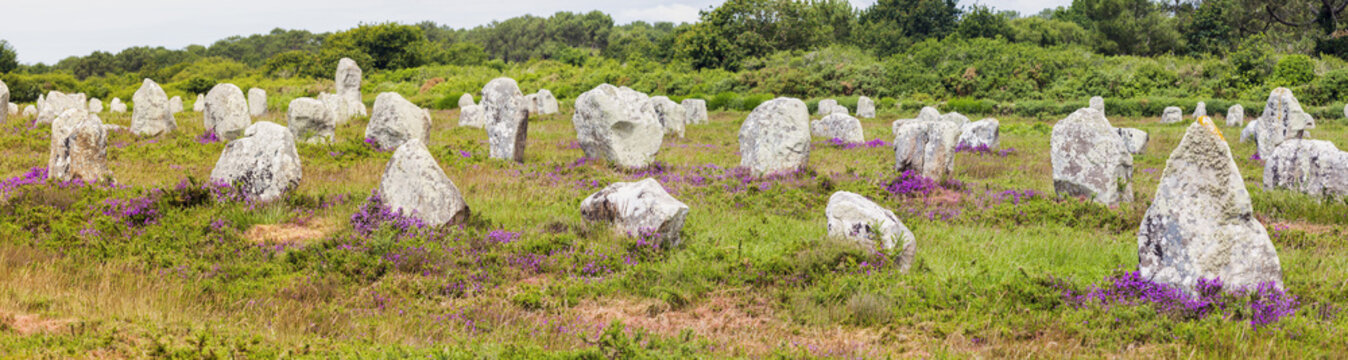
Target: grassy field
(164,265)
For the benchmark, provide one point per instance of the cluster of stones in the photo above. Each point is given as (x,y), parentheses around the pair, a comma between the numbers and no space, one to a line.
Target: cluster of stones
(926,145)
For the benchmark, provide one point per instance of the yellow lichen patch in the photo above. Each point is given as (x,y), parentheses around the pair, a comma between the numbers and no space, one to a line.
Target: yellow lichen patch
(1207,122)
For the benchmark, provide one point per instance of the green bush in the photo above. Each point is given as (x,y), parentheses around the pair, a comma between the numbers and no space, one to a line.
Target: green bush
(1293,70)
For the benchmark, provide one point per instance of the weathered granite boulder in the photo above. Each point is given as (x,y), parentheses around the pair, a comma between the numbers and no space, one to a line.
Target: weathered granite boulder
(826,106)
(1235,116)
(200,104)
(1200,224)
(151,115)
(1090,159)
(466,100)
(619,125)
(839,126)
(1098,103)
(638,209)
(226,112)
(395,121)
(776,137)
(116,106)
(984,132)
(926,147)
(263,164)
(1134,139)
(79,148)
(29,111)
(472,116)
(1282,120)
(1313,167)
(311,121)
(547,103)
(56,103)
(1200,110)
(348,89)
(95,106)
(955,118)
(175,105)
(856,218)
(695,111)
(531,103)
(865,107)
(1172,114)
(507,119)
(671,115)
(415,185)
(257,102)
(926,114)
(1251,132)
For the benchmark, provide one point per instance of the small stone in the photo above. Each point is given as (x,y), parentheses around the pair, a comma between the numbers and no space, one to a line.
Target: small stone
(56,103)
(472,116)
(984,132)
(348,90)
(415,185)
(695,111)
(546,102)
(638,209)
(1251,132)
(1172,114)
(1098,103)
(1235,116)
(839,126)
(117,106)
(4,99)
(29,111)
(671,115)
(865,107)
(531,103)
(257,102)
(311,121)
(175,104)
(1090,159)
(1134,139)
(95,106)
(200,104)
(776,137)
(856,218)
(152,115)
(263,164)
(466,100)
(1200,110)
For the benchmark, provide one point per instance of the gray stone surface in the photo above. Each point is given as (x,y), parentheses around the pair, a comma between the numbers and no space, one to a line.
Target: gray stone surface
(619,125)
(415,185)
(347,85)
(472,116)
(175,105)
(466,100)
(546,102)
(56,103)
(979,133)
(839,126)
(1200,110)
(152,114)
(1090,159)
(1282,120)
(79,148)
(507,119)
(1250,132)
(226,112)
(865,107)
(263,164)
(638,209)
(95,106)
(395,121)
(776,137)
(671,115)
(1313,167)
(1134,139)
(257,102)
(4,99)
(926,147)
(1172,114)
(1098,103)
(200,104)
(311,121)
(1235,116)
(856,218)
(695,111)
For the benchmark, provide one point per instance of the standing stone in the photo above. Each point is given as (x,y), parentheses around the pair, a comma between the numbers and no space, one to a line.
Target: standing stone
(956,118)
(825,107)
(695,111)
(1134,139)
(671,115)
(472,116)
(1200,110)
(839,126)
(926,114)
(263,164)
(56,103)
(29,111)
(1090,159)
(395,121)
(981,133)
(856,218)
(4,99)
(926,147)
(117,106)
(1235,116)
(776,137)
(1251,132)
(1283,120)
(415,185)
(638,209)
(337,106)
(547,103)
(531,103)
(200,104)
(79,148)
(12,113)
(507,119)
(1098,103)
(225,112)
(865,107)
(257,102)
(466,100)
(152,115)
(175,105)
(1172,114)
(311,121)
(348,90)
(95,106)
(1313,167)
(619,125)
(41,100)
(1200,224)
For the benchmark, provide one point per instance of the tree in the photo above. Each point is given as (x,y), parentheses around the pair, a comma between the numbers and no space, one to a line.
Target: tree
(1126,27)
(294,63)
(1209,32)
(890,25)
(982,21)
(387,45)
(8,57)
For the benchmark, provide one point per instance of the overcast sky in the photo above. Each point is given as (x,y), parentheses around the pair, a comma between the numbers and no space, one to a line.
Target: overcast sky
(48,31)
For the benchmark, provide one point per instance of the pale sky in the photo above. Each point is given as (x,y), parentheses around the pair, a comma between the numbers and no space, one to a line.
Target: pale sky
(50,30)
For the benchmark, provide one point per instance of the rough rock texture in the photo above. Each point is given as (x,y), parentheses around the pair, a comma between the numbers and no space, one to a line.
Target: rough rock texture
(839,126)
(79,148)
(671,115)
(1235,116)
(416,185)
(175,105)
(1282,120)
(472,116)
(151,115)
(547,103)
(466,100)
(12,113)
(1134,139)
(226,111)
(926,114)
(263,164)
(638,209)
(956,118)
(827,106)
(29,111)
(926,147)
(1314,167)
(1090,159)
(1098,103)
(56,103)
(619,125)
(200,104)
(257,102)
(854,217)
(1200,223)
(117,106)
(395,121)
(507,119)
(1200,110)
(531,103)
(311,121)
(981,133)
(865,107)
(776,137)
(4,99)
(695,111)
(95,106)
(348,89)
(1172,115)
(1251,132)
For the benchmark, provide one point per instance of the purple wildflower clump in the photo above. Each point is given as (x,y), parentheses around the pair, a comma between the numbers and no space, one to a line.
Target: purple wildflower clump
(374,215)
(502,236)
(1267,304)
(134,212)
(1016,196)
(1256,157)
(374,144)
(910,183)
(35,175)
(843,144)
(208,137)
(983,149)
